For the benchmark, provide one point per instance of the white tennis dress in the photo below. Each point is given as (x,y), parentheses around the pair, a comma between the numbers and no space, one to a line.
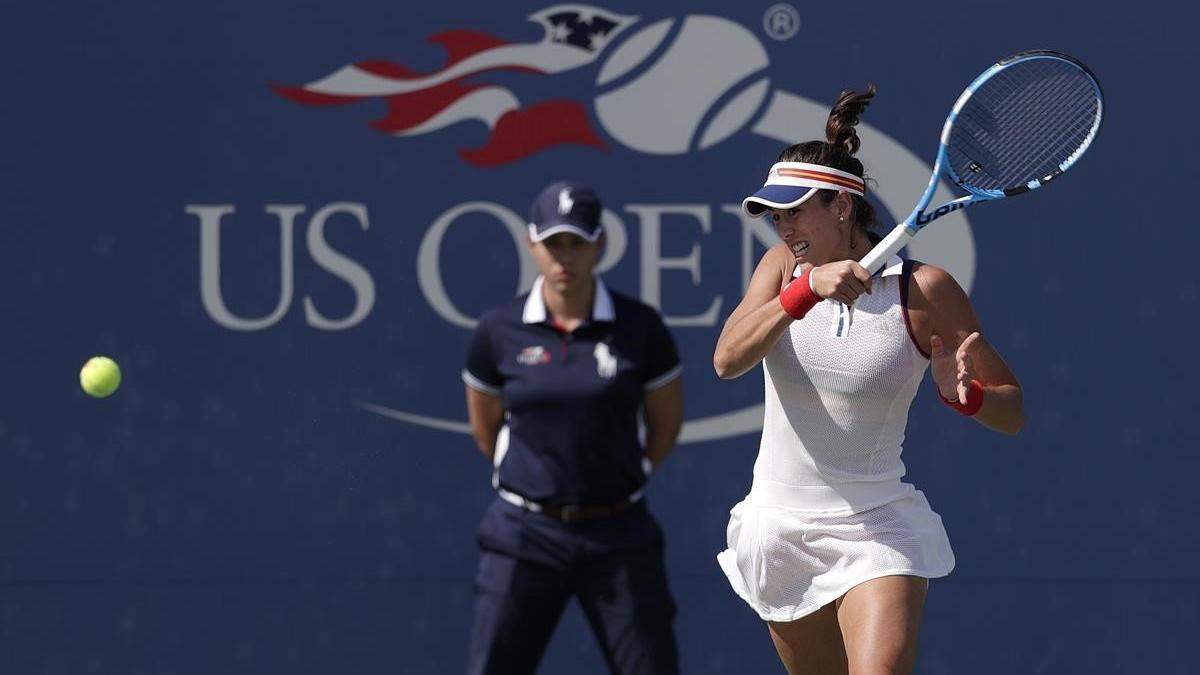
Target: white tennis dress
(827,509)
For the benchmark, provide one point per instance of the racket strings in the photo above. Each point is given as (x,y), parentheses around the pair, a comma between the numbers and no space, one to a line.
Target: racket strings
(1039,105)
(1023,129)
(1028,121)
(1045,101)
(1062,102)
(1037,129)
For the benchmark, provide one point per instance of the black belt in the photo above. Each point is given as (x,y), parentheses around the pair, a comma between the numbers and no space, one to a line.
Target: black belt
(570,513)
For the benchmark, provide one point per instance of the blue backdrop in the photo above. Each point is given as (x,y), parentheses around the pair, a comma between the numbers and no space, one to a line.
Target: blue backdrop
(282,484)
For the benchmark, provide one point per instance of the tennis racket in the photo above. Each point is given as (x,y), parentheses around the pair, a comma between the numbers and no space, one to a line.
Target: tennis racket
(1016,128)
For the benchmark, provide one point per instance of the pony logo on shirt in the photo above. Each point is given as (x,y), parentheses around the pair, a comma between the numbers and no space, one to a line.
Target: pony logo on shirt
(536,355)
(606,363)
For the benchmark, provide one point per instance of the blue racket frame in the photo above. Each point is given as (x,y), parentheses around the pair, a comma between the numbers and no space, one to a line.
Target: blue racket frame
(970,91)
(908,228)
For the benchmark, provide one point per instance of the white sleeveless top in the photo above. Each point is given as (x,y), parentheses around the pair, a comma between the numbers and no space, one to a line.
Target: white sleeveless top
(836,407)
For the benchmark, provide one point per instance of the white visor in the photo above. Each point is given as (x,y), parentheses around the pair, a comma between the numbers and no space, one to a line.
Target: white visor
(790,184)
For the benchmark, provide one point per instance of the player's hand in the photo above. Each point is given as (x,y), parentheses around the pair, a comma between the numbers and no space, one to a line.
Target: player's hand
(952,373)
(843,281)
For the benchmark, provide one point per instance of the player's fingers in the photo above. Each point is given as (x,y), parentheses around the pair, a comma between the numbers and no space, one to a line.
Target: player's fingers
(862,276)
(965,375)
(969,343)
(936,347)
(846,289)
(966,366)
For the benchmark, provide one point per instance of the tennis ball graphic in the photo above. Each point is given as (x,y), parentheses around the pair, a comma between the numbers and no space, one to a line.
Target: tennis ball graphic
(100,376)
(701,89)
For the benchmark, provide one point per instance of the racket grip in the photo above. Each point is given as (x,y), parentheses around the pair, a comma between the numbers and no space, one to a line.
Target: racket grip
(875,259)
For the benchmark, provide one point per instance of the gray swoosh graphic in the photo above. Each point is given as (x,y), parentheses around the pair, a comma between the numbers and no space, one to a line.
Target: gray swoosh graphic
(421,420)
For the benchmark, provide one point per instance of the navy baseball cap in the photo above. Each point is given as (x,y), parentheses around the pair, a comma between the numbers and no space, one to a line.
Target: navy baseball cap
(565,206)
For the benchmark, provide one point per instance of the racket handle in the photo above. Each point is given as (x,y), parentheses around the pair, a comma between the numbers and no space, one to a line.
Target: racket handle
(875,259)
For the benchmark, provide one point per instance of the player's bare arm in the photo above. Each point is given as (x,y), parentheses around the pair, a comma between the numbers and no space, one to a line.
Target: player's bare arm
(758,320)
(946,327)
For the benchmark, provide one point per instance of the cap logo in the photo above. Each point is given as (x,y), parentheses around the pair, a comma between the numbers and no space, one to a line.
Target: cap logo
(565,203)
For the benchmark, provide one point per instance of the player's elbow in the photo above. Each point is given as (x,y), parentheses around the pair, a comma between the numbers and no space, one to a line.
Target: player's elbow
(1012,422)
(726,365)
(1013,425)
(1018,422)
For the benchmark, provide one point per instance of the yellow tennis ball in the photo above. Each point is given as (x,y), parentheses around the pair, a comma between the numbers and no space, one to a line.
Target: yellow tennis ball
(100,376)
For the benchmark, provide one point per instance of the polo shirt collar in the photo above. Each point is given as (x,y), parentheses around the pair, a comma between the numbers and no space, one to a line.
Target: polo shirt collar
(535,306)
(895,265)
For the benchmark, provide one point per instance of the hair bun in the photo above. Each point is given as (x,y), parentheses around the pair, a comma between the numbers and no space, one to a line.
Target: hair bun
(839,129)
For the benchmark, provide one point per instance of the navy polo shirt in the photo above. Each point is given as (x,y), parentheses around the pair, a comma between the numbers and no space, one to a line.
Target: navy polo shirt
(571,400)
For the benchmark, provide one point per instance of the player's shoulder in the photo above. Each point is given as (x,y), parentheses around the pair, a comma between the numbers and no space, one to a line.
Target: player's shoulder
(778,256)
(929,274)
(774,267)
(932,283)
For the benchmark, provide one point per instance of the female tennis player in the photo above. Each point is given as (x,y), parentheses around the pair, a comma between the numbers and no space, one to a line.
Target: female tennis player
(830,547)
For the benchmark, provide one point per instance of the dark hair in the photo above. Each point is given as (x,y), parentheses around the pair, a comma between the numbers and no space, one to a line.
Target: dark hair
(838,149)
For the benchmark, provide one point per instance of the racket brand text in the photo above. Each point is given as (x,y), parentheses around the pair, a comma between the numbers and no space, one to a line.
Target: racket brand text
(924,218)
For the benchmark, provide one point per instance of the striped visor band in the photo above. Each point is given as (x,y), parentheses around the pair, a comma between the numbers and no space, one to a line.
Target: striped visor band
(790,184)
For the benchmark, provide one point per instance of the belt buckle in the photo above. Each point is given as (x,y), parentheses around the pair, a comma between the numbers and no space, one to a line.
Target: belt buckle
(568,512)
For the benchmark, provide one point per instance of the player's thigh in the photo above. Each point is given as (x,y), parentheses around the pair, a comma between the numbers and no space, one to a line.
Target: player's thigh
(517,605)
(880,620)
(811,645)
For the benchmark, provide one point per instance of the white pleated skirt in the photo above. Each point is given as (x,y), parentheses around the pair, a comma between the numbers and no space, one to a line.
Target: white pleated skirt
(787,563)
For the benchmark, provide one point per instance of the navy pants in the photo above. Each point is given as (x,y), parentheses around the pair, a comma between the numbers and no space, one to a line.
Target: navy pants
(623,594)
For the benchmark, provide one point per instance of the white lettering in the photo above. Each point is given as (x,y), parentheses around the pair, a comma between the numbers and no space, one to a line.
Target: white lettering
(753,229)
(653,262)
(210,263)
(341,266)
(615,241)
(429,269)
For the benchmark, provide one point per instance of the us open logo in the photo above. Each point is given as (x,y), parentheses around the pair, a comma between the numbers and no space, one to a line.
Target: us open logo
(645,97)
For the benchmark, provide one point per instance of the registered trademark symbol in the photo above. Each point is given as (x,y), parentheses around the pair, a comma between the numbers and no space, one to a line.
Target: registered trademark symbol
(781,21)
